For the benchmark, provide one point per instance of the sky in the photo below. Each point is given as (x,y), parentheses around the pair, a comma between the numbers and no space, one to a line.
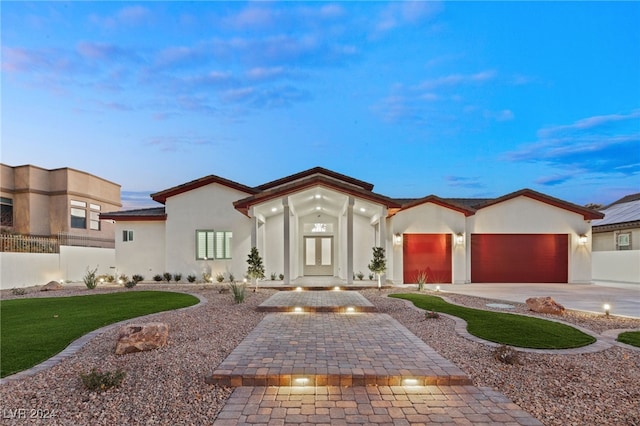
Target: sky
(456,99)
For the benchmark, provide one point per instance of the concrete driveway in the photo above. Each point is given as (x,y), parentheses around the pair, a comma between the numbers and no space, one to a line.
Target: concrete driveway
(624,299)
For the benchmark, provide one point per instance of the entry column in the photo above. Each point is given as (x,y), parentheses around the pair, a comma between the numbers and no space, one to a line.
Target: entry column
(287,240)
(350,240)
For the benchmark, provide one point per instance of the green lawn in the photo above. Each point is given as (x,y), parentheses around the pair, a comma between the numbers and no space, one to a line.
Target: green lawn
(630,338)
(508,329)
(33,330)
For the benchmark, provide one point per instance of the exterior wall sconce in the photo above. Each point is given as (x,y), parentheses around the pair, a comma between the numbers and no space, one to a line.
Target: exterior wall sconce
(459,239)
(397,239)
(582,239)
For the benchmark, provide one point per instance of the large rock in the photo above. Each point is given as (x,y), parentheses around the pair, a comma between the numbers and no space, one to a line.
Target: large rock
(142,337)
(51,286)
(545,305)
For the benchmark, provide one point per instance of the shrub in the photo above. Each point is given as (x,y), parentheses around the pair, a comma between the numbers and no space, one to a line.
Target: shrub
(157,277)
(273,276)
(206,277)
(177,277)
(167,276)
(137,278)
(232,279)
(219,277)
(370,277)
(431,315)
(90,279)
(130,284)
(98,381)
(191,278)
(360,275)
(18,291)
(238,291)
(123,278)
(506,355)
(421,279)
(281,276)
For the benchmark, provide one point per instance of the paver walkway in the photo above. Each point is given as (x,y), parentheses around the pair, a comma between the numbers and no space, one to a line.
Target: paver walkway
(323,366)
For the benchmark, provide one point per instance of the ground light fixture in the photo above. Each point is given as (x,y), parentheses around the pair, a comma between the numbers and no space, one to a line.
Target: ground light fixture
(607,308)
(336,288)
(350,309)
(298,288)
(301,381)
(410,382)
(437,288)
(297,309)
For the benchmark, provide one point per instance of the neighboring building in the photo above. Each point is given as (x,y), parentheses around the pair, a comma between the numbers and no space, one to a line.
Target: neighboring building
(620,228)
(59,202)
(322,223)
(616,242)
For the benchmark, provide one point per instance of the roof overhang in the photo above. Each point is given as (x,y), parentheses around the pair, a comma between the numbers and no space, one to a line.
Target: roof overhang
(161,197)
(440,202)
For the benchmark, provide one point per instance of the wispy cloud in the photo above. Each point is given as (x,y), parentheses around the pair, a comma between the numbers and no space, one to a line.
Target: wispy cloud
(179,143)
(608,144)
(464,182)
(129,15)
(132,200)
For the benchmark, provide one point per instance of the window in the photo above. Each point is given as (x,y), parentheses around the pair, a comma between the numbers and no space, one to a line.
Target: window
(623,241)
(7,211)
(213,245)
(127,235)
(223,244)
(94,217)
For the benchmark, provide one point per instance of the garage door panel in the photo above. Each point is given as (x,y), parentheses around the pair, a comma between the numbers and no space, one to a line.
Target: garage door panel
(427,253)
(535,258)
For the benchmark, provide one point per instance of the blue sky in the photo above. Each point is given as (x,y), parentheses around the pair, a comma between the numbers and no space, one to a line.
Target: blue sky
(455,99)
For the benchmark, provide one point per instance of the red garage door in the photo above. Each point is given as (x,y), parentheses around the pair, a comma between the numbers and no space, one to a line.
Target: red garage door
(519,258)
(429,254)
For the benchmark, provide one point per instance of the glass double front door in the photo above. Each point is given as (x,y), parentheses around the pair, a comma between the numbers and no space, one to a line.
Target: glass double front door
(318,256)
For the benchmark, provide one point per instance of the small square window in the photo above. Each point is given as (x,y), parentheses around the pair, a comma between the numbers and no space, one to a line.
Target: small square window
(127,235)
(78,218)
(623,241)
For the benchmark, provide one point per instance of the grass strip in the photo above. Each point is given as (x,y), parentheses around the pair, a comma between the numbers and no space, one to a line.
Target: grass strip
(508,329)
(34,329)
(630,338)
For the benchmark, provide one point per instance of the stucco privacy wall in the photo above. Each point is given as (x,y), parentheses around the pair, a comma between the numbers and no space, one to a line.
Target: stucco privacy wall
(429,218)
(29,269)
(209,207)
(145,254)
(523,215)
(617,266)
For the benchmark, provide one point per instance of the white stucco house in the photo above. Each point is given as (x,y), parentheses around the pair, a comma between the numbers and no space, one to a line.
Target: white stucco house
(322,223)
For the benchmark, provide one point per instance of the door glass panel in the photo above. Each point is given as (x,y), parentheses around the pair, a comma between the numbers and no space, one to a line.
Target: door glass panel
(326,251)
(310,258)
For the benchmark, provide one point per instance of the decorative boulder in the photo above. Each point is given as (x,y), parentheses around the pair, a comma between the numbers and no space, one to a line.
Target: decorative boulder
(545,305)
(141,337)
(51,286)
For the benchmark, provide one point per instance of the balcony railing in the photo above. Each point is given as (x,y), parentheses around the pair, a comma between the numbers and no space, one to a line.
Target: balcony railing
(31,244)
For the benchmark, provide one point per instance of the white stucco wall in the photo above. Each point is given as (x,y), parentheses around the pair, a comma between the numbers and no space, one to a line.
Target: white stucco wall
(617,266)
(71,264)
(206,208)
(363,242)
(523,215)
(428,218)
(145,254)
(274,236)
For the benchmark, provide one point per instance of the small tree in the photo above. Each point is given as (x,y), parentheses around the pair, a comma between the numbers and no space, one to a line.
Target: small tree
(256,268)
(378,264)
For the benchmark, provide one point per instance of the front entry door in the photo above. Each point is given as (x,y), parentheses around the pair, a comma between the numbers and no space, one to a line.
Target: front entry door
(318,256)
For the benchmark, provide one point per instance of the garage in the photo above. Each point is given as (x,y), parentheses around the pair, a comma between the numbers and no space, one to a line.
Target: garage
(426,254)
(519,258)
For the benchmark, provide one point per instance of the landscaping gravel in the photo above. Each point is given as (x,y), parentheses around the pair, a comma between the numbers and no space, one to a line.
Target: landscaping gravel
(166,386)
(588,389)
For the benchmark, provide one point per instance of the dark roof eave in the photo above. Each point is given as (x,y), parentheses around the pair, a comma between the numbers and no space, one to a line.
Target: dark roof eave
(161,196)
(441,202)
(315,170)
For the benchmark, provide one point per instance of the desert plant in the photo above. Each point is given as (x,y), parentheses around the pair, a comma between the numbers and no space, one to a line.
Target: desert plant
(97,381)
(191,278)
(177,277)
(167,276)
(255,269)
(360,276)
(206,277)
(371,276)
(506,355)
(281,276)
(378,264)
(18,291)
(273,276)
(90,279)
(220,277)
(123,278)
(130,284)
(421,279)
(231,278)
(238,291)
(157,277)
(137,278)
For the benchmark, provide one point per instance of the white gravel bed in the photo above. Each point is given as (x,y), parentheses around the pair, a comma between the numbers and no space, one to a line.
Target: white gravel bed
(162,387)
(589,389)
